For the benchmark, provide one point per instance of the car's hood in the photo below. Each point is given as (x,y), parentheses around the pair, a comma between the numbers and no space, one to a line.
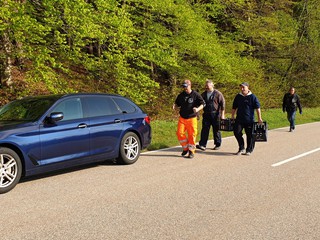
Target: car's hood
(7,125)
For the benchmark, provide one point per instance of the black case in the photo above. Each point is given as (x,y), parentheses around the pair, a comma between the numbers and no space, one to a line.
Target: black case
(226,124)
(260,132)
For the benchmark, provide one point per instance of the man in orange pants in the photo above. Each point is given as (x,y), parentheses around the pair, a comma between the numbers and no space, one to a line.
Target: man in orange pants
(190,103)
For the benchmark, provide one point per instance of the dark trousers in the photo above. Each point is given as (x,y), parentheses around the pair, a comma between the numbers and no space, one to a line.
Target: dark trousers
(291,115)
(208,120)
(237,131)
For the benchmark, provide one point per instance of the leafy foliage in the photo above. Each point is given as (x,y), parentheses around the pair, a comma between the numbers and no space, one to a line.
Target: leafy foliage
(143,49)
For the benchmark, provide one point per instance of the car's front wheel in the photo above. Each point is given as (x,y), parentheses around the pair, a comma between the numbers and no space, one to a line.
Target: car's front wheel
(129,149)
(10,169)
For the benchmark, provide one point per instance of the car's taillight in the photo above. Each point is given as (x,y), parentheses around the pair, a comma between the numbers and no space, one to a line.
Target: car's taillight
(147,119)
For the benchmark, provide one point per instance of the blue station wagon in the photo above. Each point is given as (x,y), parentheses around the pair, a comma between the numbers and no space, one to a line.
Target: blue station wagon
(47,133)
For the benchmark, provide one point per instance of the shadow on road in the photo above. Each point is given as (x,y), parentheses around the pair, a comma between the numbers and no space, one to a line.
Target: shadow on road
(68,170)
(177,153)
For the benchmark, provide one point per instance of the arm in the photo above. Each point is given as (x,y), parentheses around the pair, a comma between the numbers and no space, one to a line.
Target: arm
(284,103)
(258,110)
(223,106)
(233,112)
(234,107)
(201,103)
(222,114)
(176,103)
(299,104)
(197,109)
(174,106)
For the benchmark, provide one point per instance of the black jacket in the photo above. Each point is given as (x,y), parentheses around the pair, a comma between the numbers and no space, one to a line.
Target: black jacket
(291,102)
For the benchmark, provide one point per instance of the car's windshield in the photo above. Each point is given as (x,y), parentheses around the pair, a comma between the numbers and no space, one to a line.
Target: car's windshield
(27,109)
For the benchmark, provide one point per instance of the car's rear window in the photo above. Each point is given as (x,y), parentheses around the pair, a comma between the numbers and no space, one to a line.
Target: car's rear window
(125,105)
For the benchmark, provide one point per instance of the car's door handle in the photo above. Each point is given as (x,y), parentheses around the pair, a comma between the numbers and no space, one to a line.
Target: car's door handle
(82,125)
(117,120)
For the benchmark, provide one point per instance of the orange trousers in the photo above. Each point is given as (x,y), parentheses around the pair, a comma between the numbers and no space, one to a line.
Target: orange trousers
(191,127)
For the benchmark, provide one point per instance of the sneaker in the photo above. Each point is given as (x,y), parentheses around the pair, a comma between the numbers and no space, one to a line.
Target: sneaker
(247,153)
(184,152)
(216,148)
(201,147)
(241,151)
(191,155)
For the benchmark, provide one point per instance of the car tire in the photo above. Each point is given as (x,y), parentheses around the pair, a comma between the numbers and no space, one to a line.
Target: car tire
(10,169)
(130,147)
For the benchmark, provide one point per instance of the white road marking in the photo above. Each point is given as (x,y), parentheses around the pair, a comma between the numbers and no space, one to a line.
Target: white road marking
(296,157)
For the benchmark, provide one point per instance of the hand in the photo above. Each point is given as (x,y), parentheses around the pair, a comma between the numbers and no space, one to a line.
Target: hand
(195,110)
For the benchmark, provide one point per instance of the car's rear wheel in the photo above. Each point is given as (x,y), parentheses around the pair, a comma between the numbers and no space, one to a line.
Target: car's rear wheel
(10,169)
(129,149)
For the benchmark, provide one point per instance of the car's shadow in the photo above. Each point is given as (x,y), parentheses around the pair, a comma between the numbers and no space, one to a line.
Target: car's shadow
(68,170)
(176,153)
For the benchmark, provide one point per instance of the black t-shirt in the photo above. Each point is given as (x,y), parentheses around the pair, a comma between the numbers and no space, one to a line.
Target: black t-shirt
(187,102)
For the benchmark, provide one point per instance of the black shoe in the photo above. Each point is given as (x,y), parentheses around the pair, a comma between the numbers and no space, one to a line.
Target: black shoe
(191,155)
(201,147)
(184,152)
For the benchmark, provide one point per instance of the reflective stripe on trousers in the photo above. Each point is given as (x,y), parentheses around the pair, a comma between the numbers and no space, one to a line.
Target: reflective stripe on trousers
(191,127)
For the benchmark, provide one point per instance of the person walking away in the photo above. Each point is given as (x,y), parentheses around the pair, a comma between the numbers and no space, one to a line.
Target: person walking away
(190,103)
(290,103)
(212,113)
(244,105)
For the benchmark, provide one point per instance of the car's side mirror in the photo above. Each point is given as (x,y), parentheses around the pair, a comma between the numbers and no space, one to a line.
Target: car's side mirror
(55,117)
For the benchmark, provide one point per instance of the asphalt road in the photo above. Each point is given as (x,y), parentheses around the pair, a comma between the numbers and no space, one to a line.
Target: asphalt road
(272,194)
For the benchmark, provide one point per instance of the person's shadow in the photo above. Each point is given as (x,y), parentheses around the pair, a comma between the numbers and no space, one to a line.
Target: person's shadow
(176,152)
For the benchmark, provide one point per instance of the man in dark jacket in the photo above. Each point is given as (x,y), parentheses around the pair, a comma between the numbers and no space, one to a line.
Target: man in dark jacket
(290,103)
(244,105)
(212,112)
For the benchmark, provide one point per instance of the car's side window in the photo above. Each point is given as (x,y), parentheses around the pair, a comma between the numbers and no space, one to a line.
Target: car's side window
(101,106)
(125,105)
(71,109)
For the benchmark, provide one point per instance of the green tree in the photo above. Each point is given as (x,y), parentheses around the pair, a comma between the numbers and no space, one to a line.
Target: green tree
(143,49)
(303,70)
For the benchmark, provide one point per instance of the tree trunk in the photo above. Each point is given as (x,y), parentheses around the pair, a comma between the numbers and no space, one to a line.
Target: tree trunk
(7,81)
